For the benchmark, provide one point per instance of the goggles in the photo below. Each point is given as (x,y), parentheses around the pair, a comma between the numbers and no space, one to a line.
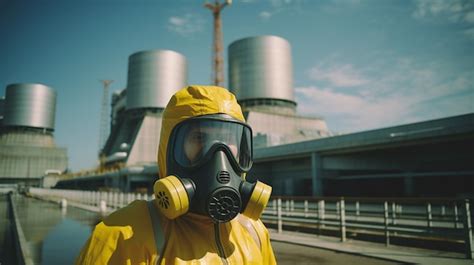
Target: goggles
(194,141)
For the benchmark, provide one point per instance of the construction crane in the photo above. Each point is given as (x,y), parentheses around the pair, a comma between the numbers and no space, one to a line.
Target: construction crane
(217,60)
(104,114)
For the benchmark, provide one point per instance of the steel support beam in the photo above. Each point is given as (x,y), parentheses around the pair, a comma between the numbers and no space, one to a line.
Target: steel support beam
(316,174)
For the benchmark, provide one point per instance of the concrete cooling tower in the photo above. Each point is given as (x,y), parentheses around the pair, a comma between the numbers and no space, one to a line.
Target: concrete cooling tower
(30,105)
(27,148)
(153,77)
(261,77)
(261,73)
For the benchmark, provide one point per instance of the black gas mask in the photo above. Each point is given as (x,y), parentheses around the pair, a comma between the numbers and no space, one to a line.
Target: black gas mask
(206,159)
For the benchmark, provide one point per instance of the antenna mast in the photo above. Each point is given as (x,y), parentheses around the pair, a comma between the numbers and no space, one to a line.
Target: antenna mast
(104,114)
(217,60)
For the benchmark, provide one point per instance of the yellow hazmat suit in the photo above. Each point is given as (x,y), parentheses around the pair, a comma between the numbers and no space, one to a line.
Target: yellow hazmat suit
(127,235)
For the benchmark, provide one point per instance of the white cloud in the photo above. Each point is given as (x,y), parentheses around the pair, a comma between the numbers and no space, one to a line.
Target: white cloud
(185,25)
(334,7)
(355,112)
(469,33)
(417,81)
(400,91)
(331,101)
(452,10)
(338,75)
(176,21)
(345,2)
(265,15)
(280,6)
(280,3)
(469,17)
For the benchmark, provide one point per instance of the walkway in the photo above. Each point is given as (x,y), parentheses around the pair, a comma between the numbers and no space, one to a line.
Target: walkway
(374,250)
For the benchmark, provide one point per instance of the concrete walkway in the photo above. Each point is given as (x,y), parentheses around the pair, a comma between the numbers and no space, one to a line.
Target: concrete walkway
(392,253)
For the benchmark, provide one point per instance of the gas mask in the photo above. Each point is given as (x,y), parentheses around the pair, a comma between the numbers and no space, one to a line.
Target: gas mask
(206,159)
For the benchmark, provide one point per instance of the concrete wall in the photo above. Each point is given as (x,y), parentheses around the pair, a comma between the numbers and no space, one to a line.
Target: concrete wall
(30,162)
(275,129)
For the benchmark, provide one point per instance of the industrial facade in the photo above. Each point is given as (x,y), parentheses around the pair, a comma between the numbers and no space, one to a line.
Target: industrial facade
(129,156)
(431,158)
(261,77)
(27,148)
(297,155)
(154,76)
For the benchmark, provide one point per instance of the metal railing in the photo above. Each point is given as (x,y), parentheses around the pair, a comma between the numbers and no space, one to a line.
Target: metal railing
(100,201)
(437,218)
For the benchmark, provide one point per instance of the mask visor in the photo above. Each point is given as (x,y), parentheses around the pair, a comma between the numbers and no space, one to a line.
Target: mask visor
(195,138)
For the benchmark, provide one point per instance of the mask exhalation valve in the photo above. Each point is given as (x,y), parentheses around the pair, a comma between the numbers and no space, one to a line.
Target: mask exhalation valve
(224,204)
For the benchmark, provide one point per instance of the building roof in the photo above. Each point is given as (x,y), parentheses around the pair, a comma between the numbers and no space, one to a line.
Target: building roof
(433,130)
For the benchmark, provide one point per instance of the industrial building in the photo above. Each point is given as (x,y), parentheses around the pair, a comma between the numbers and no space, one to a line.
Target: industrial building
(265,92)
(431,158)
(292,153)
(153,77)
(261,77)
(129,156)
(27,148)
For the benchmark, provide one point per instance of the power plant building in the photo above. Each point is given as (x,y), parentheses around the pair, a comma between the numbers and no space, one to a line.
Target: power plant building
(267,97)
(261,77)
(27,148)
(128,159)
(153,77)
(291,152)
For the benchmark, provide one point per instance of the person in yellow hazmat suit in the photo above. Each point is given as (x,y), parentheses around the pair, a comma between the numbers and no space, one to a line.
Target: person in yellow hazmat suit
(204,211)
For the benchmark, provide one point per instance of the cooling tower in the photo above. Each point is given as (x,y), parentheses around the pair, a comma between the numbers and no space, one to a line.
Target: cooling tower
(29,105)
(153,77)
(260,71)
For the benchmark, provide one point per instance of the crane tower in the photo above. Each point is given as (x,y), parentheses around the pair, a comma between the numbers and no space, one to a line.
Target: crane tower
(217,60)
(103,114)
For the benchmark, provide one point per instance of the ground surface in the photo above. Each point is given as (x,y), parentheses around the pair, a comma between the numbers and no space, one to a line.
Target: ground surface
(291,254)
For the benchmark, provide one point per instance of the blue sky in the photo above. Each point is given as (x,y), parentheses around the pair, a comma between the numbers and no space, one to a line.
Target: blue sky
(361,64)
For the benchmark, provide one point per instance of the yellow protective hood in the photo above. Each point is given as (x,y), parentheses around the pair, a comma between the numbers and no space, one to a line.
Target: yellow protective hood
(190,102)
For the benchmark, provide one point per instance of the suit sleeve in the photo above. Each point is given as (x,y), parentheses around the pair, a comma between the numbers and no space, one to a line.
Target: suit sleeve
(103,247)
(123,237)
(266,246)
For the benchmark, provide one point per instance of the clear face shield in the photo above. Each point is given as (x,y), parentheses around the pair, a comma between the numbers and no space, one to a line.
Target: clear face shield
(197,140)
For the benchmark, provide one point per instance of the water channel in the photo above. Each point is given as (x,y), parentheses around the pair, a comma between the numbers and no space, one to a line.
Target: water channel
(53,235)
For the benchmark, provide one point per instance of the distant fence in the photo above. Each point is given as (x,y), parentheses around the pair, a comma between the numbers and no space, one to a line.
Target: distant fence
(100,201)
(437,219)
